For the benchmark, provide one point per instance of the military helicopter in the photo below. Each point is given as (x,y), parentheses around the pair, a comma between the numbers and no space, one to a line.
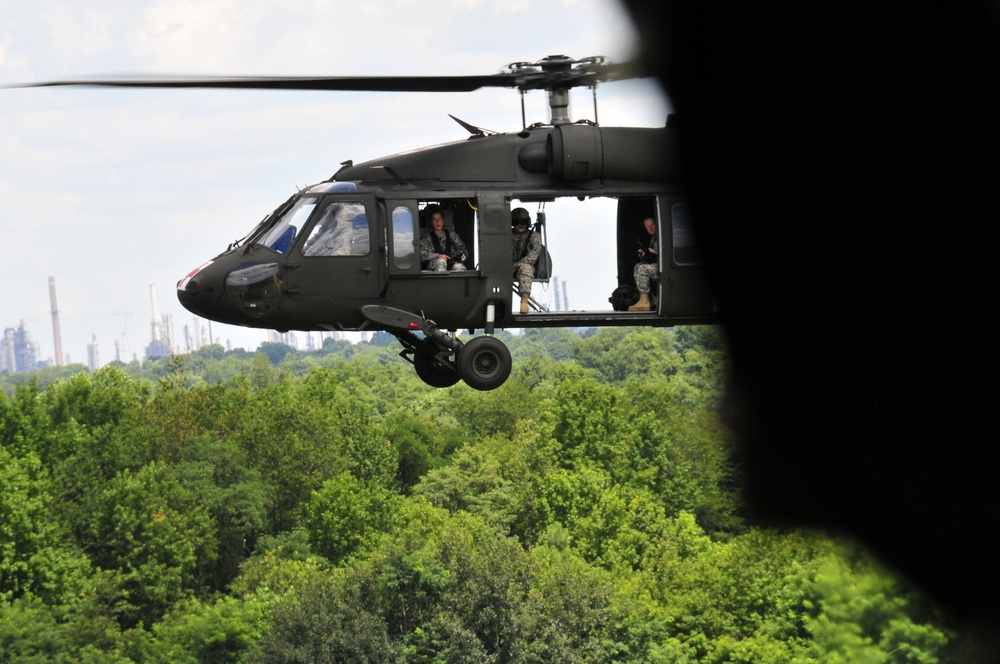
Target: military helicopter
(344,254)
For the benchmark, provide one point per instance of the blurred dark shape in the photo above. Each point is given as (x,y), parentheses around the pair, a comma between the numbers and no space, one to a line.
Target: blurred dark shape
(842,161)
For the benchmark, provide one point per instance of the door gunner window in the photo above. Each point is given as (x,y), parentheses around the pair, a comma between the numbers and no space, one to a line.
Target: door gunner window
(342,230)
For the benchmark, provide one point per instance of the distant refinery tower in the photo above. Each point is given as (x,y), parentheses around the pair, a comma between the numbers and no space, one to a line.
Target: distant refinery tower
(93,358)
(155,323)
(156,347)
(56,334)
(18,351)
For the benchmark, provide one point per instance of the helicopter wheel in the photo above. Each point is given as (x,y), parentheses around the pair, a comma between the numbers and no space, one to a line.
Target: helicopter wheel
(433,372)
(484,363)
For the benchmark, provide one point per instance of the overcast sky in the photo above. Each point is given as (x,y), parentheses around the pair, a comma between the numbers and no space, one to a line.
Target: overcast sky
(110,191)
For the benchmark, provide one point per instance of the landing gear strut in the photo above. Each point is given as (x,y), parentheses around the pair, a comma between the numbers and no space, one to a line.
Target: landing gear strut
(440,359)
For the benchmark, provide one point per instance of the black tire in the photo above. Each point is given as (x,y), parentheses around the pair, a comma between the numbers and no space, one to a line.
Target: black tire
(484,363)
(433,372)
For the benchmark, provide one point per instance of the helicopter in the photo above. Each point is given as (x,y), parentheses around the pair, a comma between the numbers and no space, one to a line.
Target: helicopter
(344,254)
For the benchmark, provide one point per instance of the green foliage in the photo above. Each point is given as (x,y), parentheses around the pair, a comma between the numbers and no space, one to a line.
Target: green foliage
(618,353)
(483,414)
(223,631)
(472,482)
(234,494)
(275,352)
(25,426)
(448,584)
(858,613)
(40,379)
(325,620)
(421,444)
(157,536)
(328,506)
(34,557)
(570,614)
(346,515)
(30,632)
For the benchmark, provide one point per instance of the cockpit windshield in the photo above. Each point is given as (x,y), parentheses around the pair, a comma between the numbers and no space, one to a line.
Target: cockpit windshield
(281,236)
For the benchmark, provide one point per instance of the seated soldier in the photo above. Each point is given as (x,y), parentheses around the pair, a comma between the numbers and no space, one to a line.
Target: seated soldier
(441,249)
(646,269)
(526,248)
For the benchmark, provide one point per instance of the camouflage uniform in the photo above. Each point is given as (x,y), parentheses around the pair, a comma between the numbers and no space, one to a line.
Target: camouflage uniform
(527,246)
(644,272)
(336,240)
(452,245)
(336,235)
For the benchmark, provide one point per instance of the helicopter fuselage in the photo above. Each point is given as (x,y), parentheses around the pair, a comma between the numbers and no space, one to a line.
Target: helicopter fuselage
(339,254)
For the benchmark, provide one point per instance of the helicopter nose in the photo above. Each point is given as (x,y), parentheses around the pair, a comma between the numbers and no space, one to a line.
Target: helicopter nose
(227,290)
(192,284)
(200,290)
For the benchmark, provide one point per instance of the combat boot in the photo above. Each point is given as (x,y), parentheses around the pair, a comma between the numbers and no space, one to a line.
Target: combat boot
(643,303)
(524,303)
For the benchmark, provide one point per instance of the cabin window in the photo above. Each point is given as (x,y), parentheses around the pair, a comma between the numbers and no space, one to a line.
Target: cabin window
(402,238)
(686,251)
(458,218)
(342,230)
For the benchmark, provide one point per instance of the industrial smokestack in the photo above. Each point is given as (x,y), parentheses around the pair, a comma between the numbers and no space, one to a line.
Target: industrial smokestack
(56,334)
(156,319)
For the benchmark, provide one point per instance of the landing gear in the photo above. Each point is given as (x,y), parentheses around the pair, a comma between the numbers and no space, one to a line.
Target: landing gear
(484,363)
(441,360)
(433,371)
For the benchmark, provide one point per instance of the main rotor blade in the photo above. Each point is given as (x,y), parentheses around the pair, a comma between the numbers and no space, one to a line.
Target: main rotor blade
(346,83)
(525,76)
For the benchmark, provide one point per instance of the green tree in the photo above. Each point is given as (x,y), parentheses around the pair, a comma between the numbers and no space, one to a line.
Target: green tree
(858,613)
(347,515)
(448,584)
(34,556)
(30,632)
(569,615)
(275,352)
(233,493)
(157,536)
(219,632)
(472,482)
(421,444)
(619,353)
(684,455)
(295,442)
(483,414)
(325,620)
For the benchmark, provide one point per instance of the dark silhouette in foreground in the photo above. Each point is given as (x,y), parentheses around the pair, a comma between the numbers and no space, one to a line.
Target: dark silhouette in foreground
(843,165)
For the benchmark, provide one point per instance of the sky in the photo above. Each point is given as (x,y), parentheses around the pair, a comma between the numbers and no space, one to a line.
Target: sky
(114,192)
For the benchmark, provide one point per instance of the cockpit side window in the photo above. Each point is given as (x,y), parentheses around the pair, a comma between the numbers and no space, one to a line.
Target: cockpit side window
(342,230)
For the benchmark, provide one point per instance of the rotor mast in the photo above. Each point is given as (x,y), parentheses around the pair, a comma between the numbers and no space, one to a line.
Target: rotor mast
(558,96)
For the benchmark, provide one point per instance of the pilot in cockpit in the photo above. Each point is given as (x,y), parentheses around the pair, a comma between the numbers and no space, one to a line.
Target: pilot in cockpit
(334,235)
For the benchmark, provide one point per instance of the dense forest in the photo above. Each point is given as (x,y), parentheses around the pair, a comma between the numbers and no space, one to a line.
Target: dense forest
(283,506)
